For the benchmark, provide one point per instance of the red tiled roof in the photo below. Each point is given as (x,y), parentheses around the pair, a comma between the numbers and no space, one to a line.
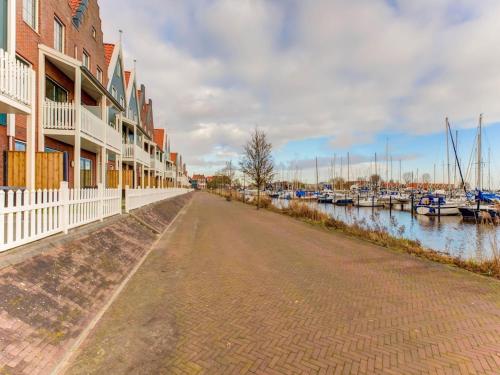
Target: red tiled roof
(74,4)
(108,52)
(159,135)
(127,77)
(173,157)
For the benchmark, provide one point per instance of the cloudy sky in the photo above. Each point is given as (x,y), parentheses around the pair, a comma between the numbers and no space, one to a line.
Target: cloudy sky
(321,77)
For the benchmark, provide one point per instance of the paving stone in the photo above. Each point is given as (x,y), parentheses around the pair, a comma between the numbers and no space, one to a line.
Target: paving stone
(235,290)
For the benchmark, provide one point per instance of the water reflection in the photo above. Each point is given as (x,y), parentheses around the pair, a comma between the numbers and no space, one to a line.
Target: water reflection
(448,233)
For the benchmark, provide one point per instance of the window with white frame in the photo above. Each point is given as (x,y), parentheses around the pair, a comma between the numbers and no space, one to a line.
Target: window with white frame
(114,92)
(30,10)
(58,35)
(122,101)
(86,60)
(99,74)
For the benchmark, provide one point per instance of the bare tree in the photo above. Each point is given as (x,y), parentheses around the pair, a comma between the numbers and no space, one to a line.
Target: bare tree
(426,178)
(257,162)
(407,177)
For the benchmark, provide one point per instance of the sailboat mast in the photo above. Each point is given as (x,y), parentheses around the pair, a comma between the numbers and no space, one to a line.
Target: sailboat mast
(489,168)
(447,154)
(317,177)
(348,169)
(479,153)
(400,181)
(334,170)
(341,174)
(387,162)
(376,175)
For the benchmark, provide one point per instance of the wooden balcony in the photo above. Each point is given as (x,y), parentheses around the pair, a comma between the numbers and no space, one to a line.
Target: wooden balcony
(15,85)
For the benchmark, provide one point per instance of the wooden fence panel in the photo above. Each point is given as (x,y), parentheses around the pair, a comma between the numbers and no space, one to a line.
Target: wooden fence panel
(112,179)
(16,169)
(48,170)
(128,178)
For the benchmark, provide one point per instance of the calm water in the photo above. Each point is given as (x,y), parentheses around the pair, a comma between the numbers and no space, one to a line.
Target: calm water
(448,234)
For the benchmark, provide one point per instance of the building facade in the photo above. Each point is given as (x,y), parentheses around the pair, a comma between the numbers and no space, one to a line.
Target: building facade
(69,110)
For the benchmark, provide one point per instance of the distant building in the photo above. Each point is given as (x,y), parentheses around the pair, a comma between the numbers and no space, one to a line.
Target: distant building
(201,181)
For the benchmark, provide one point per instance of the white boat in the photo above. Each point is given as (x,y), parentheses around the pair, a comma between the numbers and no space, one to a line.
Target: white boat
(430,205)
(368,202)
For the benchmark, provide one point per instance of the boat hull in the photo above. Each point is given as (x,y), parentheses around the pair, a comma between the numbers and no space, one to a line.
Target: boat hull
(325,200)
(437,211)
(472,213)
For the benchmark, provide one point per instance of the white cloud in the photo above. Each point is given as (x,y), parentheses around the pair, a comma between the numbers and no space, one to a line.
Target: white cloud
(299,69)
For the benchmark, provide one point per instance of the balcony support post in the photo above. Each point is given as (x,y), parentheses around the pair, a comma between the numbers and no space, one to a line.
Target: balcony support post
(41,99)
(134,156)
(104,166)
(120,155)
(78,127)
(31,138)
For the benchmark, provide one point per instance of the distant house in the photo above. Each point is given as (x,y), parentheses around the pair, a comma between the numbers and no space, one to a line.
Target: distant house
(201,181)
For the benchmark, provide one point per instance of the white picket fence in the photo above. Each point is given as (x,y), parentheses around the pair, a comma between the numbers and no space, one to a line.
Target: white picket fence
(135,198)
(27,216)
(15,78)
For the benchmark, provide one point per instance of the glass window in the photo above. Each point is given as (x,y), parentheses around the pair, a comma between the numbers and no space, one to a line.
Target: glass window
(94,33)
(58,35)
(86,60)
(3,119)
(114,92)
(49,149)
(99,74)
(20,146)
(3,24)
(85,172)
(30,12)
(55,92)
(122,101)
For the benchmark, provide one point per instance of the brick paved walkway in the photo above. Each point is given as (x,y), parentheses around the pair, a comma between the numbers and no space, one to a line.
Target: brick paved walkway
(232,290)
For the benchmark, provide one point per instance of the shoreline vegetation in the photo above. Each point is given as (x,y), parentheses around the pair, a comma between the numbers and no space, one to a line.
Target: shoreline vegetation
(376,234)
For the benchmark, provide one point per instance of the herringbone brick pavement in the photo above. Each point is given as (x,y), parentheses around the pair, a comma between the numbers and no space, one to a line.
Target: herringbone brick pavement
(232,291)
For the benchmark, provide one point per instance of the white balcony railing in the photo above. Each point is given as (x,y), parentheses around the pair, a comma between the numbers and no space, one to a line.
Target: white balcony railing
(59,116)
(15,79)
(113,138)
(131,151)
(62,116)
(157,165)
(93,125)
(128,151)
